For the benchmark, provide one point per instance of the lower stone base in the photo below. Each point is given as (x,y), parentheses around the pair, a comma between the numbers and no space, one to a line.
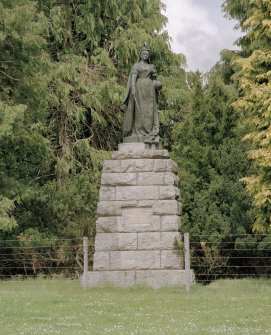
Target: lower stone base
(133,278)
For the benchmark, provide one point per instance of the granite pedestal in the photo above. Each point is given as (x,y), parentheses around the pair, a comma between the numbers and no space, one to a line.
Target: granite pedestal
(138,220)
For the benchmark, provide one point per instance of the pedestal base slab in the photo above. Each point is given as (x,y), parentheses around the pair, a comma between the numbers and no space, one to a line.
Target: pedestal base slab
(134,278)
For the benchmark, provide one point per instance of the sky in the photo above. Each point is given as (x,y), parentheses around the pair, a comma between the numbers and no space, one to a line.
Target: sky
(200,31)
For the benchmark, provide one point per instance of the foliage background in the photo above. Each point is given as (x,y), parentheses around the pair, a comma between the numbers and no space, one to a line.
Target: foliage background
(63,71)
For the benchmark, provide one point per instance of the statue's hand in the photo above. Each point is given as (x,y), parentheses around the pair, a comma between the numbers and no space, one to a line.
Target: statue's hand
(157,84)
(153,70)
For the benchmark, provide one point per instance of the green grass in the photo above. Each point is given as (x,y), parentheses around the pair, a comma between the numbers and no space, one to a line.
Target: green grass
(232,307)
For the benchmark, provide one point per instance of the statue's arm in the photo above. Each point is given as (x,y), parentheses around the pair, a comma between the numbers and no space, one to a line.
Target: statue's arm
(133,84)
(134,73)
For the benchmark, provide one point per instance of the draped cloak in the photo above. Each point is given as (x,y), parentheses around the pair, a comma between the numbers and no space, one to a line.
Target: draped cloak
(141,115)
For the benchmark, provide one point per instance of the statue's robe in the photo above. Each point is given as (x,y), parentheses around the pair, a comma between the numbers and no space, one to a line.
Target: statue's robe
(141,115)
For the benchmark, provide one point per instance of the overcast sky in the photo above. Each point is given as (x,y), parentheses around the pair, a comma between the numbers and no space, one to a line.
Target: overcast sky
(200,31)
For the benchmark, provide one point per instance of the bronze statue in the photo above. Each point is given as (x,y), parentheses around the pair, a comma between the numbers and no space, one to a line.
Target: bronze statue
(141,122)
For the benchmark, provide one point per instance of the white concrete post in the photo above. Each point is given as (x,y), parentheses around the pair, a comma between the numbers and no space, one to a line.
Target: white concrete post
(85,273)
(187,261)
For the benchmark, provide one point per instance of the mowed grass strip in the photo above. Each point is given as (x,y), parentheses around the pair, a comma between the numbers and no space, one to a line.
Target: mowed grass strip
(232,307)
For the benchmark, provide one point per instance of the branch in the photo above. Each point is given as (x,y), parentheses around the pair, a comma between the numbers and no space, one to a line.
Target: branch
(5,74)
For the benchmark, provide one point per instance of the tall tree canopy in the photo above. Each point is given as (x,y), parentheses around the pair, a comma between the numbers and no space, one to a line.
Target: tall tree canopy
(252,75)
(25,151)
(212,159)
(63,72)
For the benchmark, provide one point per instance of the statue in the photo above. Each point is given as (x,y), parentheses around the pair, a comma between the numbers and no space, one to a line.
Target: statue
(141,122)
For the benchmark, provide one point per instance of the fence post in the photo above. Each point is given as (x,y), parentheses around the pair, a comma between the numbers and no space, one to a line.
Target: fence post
(85,273)
(187,261)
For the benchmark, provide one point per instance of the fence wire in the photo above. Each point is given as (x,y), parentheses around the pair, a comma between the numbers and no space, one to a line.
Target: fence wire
(26,258)
(211,258)
(234,256)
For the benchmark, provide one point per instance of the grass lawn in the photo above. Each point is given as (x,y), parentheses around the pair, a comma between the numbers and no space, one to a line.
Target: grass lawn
(232,307)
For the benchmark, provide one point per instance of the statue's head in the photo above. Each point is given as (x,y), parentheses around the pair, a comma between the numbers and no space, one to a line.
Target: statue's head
(144,53)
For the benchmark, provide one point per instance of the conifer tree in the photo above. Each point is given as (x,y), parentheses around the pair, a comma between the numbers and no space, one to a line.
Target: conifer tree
(212,159)
(63,76)
(25,153)
(92,46)
(253,79)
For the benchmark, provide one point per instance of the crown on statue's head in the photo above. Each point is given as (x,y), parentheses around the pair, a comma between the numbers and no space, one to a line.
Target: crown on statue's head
(145,47)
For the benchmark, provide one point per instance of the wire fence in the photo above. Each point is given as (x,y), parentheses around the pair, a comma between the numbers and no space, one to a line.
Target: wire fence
(26,258)
(236,256)
(210,258)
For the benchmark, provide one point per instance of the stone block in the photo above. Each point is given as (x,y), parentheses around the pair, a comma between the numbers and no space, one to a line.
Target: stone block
(136,192)
(170,259)
(167,278)
(132,278)
(149,241)
(170,222)
(108,208)
(114,179)
(136,165)
(131,260)
(137,154)
(109,224)
(165,165)
(112,278)
(168,239)
(143,278)
(160,165)
(101,260)
(174,166)
(160,278)
(140,220)
(107,193)
(150,178)
(132,220)
(170,178)
(146,203)
(115,241)
(114,208)
(111,166)
(169,192)
(128,203)
(157,240)
(166,207)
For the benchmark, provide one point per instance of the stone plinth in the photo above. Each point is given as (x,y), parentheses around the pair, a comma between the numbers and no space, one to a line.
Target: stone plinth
(138,220)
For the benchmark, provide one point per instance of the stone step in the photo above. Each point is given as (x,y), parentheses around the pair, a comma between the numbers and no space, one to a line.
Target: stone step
(140,165)
(136,220)
(137,260)
(149,278)
(136,241)
(159,207)
(139,178)
(152,192)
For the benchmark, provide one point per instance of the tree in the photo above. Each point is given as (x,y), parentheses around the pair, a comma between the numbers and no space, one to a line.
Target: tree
(92,45)
(7,221)
(25,153)
(253,79)
(63,106)
(212,159)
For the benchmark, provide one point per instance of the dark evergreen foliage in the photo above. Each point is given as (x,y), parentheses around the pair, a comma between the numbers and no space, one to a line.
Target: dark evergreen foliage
(63,71)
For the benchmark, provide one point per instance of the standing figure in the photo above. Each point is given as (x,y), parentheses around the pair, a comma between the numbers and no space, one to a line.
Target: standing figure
(141,122)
